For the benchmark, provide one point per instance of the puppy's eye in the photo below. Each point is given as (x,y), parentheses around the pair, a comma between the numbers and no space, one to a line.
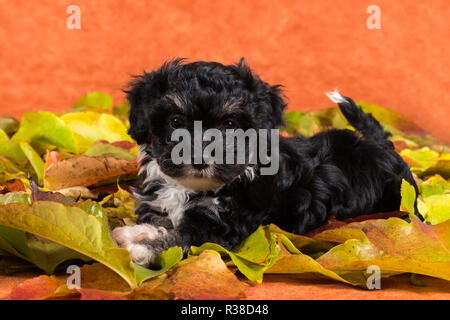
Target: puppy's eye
(229,123)
(177,122)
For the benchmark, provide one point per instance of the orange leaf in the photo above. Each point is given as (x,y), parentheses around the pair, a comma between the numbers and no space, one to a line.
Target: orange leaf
(51,157)
(203,277)
(35,288)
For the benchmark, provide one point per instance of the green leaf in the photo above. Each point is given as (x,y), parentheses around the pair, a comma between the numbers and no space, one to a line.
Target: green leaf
(423,158)
(34,159)
(108,150)
(13,197)
(252,257)
(8,170)
(434,185)
(4,143)
(43,253)
(299,263)
(305,244)
(438,208)
(90,127)
(96,100)
(165,261)
(408,194)
(330,117)
(298,122)
(45,127)
(394,245)
(71,227)
(122,111)
(9,125)
(119,207)
(442,167)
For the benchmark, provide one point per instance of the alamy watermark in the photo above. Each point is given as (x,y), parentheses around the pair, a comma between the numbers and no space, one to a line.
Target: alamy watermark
(74,280)
(374,20)
(374,280)
(236,146)
(74,20)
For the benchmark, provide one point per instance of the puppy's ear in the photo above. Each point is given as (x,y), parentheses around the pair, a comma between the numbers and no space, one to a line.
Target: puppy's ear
(270,97)
(139,125)
(143,93)
(278,105)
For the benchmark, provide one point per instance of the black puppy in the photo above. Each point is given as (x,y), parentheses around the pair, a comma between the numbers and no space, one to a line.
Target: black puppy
(339,173)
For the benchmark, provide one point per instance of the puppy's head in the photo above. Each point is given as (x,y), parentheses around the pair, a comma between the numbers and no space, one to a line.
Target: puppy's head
(220,96)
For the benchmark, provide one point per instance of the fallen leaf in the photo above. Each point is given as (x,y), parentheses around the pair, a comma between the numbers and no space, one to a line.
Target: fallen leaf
(442,167)
(163,262)
(85,171)
(119,206)
(306,244)
(298,122)
(438,208)
(90,126)
(394,245)
(78,192)
(109,150)
(34,159)
(203,277)
(294,262)
(39,195)
(51,157)
(35,288)
(9,125)
(8,170)
(408,194)
(85,231)
(43,253)
(14,185)
(127,145)
(434,185)
(95,100)
(252,256)
(45,127)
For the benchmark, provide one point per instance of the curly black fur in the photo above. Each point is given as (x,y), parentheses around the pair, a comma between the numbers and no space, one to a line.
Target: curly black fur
(337,173)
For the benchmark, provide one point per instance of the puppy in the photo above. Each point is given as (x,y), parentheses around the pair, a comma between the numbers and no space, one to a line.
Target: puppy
(337,173)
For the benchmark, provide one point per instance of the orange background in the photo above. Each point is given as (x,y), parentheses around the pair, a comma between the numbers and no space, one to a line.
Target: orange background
(308,46)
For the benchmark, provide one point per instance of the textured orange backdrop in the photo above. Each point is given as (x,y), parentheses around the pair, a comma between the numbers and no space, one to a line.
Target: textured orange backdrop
(309,46)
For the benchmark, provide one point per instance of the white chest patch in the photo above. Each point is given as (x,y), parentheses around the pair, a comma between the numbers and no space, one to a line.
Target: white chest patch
(170,198)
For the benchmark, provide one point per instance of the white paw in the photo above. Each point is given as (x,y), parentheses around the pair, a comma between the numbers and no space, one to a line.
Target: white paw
(130,238)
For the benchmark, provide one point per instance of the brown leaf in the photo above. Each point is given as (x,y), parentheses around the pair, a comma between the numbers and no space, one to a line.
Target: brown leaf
(51,157)
(15,185)
(97,276)
(39,195)
(85,171)
(202,277)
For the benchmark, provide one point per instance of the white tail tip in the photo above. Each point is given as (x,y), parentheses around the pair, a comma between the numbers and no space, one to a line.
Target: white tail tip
(335,96)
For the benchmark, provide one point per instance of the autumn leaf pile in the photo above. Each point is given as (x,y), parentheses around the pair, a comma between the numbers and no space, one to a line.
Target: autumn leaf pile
(64,184)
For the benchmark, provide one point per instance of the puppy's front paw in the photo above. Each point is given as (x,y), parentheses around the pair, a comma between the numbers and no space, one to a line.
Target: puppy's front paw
(136,239)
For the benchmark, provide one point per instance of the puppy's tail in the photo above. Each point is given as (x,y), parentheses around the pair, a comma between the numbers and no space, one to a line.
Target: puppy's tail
(365,123)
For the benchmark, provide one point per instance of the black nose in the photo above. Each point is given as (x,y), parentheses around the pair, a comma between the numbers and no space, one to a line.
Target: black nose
(200,166)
